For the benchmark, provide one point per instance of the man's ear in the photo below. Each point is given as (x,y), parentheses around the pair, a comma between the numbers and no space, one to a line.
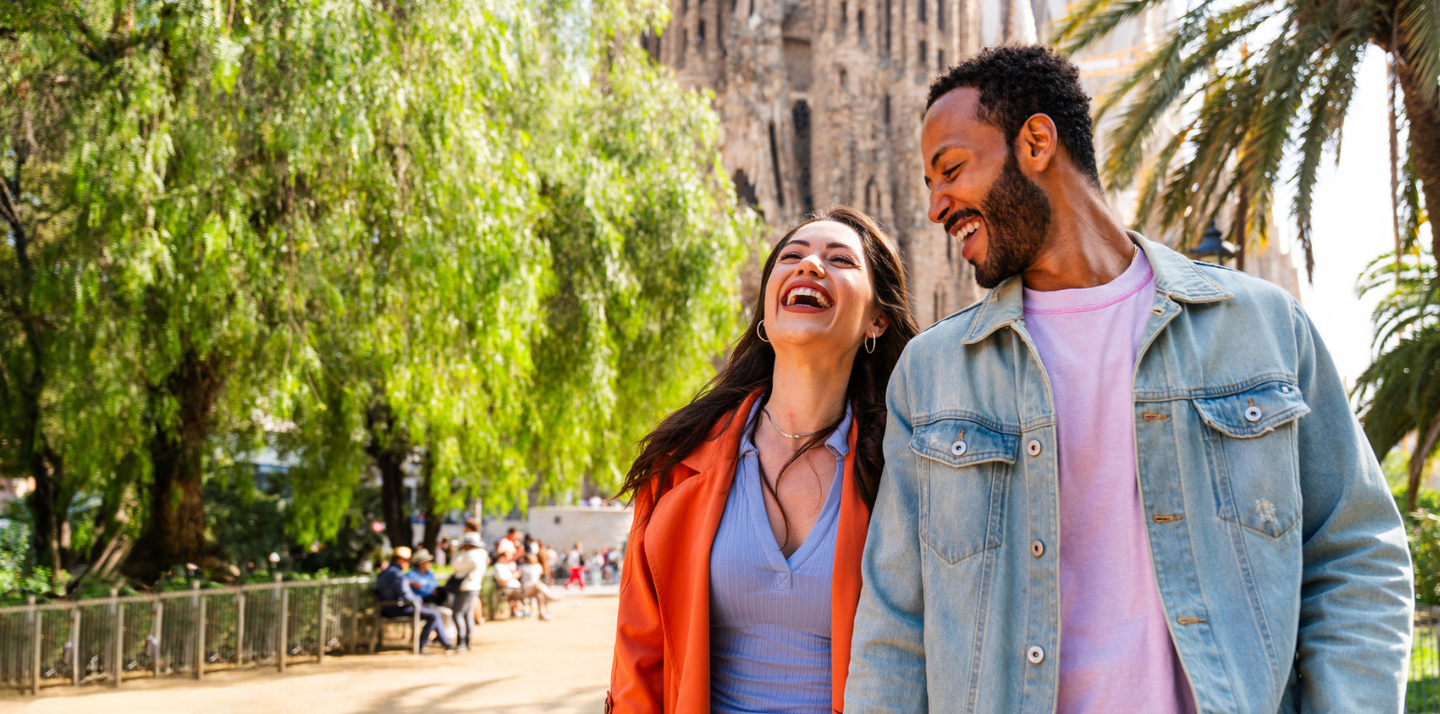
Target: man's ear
(1037,143)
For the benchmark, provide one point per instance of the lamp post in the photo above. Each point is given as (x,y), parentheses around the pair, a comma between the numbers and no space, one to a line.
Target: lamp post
(1213,248)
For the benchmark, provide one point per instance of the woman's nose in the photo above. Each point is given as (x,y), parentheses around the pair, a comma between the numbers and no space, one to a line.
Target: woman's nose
(812,265)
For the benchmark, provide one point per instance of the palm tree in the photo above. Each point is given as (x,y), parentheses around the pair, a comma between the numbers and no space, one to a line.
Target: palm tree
(1399,392)
(1250,108)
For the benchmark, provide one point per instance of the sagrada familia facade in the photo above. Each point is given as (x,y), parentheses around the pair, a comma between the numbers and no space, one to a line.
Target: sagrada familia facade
(820,104)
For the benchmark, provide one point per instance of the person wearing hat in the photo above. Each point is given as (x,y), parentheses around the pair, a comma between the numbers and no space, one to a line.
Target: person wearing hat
(422,578)
(392,587)
(469,575)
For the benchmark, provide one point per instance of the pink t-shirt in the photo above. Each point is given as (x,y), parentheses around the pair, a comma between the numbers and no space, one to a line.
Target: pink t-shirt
(1115,650)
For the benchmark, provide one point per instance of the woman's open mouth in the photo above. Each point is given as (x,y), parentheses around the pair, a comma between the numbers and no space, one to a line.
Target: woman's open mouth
(806,298)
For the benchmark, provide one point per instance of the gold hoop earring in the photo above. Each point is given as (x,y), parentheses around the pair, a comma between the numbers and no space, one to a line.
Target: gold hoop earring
(760,331)
(870,341)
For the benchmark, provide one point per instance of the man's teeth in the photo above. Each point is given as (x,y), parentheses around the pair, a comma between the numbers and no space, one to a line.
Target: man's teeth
(820,298)
(969,228)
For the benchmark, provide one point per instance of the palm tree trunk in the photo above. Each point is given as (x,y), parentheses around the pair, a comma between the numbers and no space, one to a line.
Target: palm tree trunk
(1424,120)
(1424,446)
(1391,90)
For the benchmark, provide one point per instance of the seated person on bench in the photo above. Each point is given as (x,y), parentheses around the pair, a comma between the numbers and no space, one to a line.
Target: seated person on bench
(422,579)
(392,587)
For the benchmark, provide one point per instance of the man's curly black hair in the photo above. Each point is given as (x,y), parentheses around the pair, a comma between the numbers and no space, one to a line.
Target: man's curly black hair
(1017,82)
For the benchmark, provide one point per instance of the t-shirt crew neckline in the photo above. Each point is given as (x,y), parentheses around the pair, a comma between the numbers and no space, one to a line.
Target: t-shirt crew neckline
(1058,302)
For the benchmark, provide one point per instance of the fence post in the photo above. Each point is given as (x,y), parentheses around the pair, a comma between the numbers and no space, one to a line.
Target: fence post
(157,623)
(35,641)
(199,630)
(239,626)
(282,642)
(415,630)
(118,635)
(75,645)
(324,618)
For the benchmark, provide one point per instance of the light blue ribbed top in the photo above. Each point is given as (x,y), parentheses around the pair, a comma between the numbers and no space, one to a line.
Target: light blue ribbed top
(769,615)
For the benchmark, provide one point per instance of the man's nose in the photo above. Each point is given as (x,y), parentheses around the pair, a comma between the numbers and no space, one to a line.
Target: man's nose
(940,207)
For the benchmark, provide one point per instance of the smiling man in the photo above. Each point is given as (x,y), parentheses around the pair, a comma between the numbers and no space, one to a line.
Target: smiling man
(1123,481)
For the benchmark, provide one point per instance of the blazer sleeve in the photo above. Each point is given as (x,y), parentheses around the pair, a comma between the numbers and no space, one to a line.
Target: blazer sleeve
(637,680)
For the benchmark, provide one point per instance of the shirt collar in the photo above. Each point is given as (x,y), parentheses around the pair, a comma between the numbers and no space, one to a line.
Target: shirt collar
(1176,277)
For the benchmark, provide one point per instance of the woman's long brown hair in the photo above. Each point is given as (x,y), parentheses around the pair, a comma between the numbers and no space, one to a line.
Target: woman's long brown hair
(752,364)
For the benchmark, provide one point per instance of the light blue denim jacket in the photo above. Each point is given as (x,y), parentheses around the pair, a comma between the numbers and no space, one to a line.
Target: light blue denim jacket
(1278,551)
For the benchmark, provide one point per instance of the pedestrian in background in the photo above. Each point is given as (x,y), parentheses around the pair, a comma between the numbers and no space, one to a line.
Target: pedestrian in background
(470,563)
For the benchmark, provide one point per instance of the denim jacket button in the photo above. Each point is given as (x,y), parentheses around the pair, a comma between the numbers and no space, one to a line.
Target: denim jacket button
(1033,447)
(1253,414)
(1035,655)
(958,448)
(1037,548)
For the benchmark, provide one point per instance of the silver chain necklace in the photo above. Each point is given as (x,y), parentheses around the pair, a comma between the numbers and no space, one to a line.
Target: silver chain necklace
(784,433)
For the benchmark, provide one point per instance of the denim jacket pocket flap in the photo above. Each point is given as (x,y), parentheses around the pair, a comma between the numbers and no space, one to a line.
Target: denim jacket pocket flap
(1254,412)
(959,442)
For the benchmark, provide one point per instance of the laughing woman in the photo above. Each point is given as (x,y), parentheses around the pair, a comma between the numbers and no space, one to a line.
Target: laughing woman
(751,503)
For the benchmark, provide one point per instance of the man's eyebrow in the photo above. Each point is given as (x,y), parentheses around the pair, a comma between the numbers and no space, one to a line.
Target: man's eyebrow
(935,158)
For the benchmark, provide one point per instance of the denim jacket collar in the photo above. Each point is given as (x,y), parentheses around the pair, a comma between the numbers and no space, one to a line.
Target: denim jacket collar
(1175,276)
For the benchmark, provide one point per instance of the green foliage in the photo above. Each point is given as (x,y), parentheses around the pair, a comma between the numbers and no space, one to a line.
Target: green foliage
(1425,552)
(1255,81)
(1399,393)
(19,574)
(486,235)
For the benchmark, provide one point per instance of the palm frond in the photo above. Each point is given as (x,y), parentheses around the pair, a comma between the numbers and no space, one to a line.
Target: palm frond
(1419,30)
(1095,19)
(1172,71)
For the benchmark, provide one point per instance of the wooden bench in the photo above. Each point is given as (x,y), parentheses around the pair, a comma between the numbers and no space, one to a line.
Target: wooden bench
(413,620)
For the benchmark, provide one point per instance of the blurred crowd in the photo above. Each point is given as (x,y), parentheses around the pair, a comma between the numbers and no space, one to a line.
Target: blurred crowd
(524,572)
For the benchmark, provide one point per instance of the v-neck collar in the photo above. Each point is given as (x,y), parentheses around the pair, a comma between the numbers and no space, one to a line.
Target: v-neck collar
(753,491)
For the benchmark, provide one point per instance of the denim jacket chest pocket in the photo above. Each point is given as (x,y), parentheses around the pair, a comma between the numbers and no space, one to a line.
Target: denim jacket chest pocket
(1253,448)
(966,474)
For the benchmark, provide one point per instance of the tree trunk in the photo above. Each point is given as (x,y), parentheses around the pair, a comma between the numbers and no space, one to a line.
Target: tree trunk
(175,530)
(1391,88)
(1423,118)
(433,518)
(49,508)
(1424,446)
(389,448)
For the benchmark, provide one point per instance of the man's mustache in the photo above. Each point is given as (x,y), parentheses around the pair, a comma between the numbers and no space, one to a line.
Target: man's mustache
(964,215)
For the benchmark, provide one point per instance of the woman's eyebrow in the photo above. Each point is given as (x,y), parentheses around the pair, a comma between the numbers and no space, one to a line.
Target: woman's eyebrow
(838,244)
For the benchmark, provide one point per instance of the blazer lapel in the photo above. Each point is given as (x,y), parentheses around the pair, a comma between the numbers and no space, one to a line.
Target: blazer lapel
(845,581)
(681,534)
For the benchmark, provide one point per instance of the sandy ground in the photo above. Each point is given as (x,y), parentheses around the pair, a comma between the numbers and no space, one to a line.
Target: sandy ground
(516,667)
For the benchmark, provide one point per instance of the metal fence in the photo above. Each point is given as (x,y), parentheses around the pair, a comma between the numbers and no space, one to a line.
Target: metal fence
(186,633)
(1423,695)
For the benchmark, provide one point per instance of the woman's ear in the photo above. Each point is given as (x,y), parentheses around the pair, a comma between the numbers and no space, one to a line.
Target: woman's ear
(878,327)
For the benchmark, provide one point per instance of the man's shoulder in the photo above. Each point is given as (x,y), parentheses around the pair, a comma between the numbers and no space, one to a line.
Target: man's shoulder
(947,332)
(1249,291)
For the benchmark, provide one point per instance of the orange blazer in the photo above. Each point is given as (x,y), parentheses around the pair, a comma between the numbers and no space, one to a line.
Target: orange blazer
(662,640)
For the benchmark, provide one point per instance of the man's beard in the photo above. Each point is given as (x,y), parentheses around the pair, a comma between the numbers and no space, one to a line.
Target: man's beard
(1017,219)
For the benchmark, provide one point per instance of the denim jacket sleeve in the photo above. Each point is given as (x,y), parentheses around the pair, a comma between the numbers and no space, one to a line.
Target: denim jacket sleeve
(1357,589)
(887,659)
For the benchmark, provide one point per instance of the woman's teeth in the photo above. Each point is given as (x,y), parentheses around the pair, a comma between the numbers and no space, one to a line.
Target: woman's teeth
(817,298)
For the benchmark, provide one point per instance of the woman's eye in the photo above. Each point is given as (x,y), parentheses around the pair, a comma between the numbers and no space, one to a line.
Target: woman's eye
(844,259)
(791,255)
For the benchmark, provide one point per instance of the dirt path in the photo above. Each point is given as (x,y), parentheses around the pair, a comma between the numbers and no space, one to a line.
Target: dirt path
(517,667)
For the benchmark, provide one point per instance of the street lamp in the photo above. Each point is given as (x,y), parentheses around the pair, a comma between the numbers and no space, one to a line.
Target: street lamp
(1213,248)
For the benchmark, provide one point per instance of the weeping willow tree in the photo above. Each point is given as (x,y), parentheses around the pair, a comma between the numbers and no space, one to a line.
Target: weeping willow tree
(1257,80)
(488,238)
(548,265)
